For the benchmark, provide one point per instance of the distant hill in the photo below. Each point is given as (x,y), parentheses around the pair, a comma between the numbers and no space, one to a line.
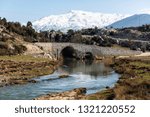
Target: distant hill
(132,21)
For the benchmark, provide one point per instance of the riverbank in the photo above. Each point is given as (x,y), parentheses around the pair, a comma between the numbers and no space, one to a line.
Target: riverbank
(74,94)
(134,83)
(20,69)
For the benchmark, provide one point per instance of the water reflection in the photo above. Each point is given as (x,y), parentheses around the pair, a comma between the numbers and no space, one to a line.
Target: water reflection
(94,76)
(93,68)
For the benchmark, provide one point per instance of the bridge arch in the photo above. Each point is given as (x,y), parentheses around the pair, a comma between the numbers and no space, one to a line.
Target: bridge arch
(88,56)
(68,52)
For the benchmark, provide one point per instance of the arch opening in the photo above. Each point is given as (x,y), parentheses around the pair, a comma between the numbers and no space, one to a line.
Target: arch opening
(88,56)
(69,52)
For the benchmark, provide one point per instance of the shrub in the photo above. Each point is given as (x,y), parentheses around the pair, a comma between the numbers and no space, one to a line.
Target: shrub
(3,39)
(5,50)
(3,45)
(18,49)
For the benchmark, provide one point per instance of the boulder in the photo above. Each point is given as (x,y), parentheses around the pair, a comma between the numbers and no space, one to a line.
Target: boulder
(64,76)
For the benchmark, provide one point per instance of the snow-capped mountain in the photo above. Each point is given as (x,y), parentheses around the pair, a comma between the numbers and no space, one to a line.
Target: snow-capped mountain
(132,21)
(76,20)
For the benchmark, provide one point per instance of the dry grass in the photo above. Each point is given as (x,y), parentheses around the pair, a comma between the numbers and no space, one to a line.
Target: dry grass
(108,61)
(103,95)
(20,69)
(135,80)
(134,84)
(23,58)
(120,47)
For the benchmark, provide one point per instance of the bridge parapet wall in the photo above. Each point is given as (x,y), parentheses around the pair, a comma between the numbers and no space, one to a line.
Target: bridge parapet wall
(54,49)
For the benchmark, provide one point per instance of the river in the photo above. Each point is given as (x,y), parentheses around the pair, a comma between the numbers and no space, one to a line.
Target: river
(95,76)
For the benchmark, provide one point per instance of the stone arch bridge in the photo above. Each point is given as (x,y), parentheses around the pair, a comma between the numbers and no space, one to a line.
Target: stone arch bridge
(56,49)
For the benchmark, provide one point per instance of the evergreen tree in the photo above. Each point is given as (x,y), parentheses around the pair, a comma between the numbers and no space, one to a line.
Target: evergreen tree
(29,24)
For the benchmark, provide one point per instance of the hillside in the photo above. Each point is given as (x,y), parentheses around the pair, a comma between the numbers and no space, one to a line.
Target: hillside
(132,21)
(10,43)
(16,38)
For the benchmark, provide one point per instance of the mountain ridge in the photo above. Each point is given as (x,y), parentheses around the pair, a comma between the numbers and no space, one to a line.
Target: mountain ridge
(76,20)
(132,21)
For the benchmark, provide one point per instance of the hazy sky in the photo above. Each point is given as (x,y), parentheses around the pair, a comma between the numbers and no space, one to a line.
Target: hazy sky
(30,10)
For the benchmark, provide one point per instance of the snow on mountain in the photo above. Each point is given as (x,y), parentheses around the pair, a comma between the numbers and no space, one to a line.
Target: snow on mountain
(76,20)
(144,11)
(132,21)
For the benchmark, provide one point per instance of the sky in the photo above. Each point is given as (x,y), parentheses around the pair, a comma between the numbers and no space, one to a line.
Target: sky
(30,10)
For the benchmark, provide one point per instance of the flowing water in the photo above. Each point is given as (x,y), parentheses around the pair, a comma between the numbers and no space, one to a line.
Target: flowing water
(94,76)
